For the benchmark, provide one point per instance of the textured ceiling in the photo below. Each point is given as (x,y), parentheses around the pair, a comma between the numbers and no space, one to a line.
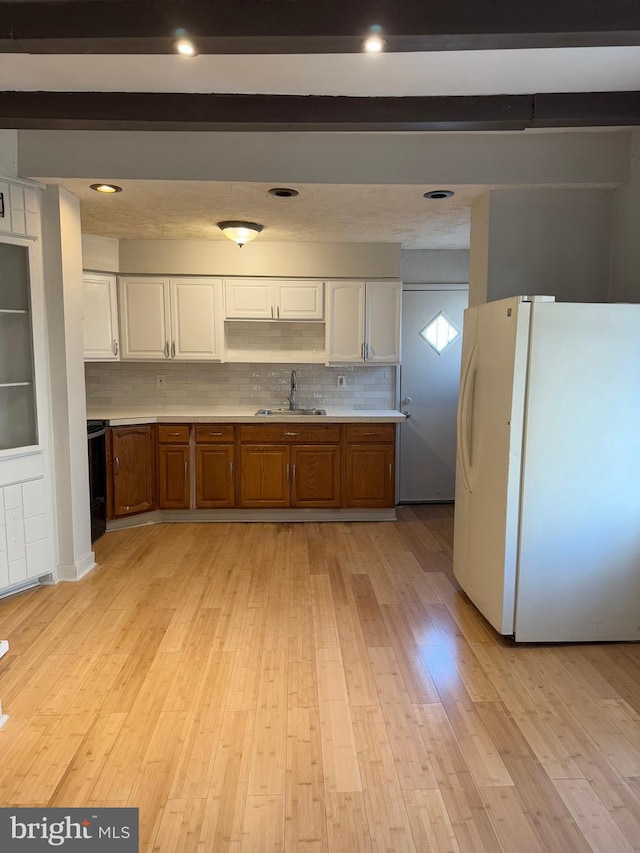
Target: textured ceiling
(322,212)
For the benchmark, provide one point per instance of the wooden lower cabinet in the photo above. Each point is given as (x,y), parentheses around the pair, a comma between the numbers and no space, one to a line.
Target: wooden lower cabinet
(174,485)
(132,463)
(215,476)
(264,476)
(369,476)
(315,476)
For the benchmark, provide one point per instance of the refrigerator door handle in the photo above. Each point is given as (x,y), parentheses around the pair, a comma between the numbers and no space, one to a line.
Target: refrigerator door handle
(464,418)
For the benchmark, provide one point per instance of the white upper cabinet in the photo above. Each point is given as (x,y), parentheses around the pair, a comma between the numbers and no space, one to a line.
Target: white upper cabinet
(382,322)
(101,338)
(19,209)
(196,309)
(175,318)
(299,300)
(363,322)
(265,299)
(345,321)
(144,318)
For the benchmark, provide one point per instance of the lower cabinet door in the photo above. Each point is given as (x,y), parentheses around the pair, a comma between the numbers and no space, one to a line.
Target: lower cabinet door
(173,476)
(264,476)
(215,485)
(315,476)
(369,475)
(132,470)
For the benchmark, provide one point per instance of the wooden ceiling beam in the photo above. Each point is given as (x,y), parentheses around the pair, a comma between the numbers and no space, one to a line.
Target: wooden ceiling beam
(170,111)
(311,26)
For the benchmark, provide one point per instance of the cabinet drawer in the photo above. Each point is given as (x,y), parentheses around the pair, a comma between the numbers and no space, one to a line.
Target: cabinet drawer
(214,434)
(293,433)
(173,433)
(358,433)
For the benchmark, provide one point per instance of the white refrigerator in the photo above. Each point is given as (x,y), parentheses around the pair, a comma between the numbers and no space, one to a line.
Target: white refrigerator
(547,503)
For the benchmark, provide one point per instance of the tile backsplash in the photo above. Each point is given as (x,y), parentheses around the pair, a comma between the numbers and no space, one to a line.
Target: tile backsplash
(134,384)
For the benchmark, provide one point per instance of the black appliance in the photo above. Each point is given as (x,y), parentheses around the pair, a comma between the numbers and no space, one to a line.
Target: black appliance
(96,436)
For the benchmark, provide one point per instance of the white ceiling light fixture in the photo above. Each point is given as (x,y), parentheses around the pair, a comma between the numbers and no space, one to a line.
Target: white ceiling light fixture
(374,43)
(240,232)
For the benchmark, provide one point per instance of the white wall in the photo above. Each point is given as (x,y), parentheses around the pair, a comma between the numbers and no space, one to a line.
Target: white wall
(625,258)
(200,257)
(543,241)
(479,250)
(62,253)
(100,253)
(344,158)
(434,266)
(9,153)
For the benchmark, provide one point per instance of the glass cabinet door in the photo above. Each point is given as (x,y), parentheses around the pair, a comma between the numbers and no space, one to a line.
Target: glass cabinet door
(18,427)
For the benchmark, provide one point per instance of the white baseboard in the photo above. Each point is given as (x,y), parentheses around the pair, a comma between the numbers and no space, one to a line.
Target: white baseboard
(248,515)
(79,570)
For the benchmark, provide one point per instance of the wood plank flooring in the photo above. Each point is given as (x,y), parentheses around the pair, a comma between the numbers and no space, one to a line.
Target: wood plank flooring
(312,687)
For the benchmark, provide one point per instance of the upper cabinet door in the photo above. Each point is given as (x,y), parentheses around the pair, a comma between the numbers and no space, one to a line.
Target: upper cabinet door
(195,318)
(249,299)
(345,321)
(382,326)
(144,318)
(299,300)
(101,340)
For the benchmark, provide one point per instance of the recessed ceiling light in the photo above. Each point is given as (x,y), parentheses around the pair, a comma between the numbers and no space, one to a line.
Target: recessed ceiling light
(283,192)
(105,188)
(374,43)
(438,194)
(185,47)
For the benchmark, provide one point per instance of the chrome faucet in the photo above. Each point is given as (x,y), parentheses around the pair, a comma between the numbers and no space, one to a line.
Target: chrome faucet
(292,397)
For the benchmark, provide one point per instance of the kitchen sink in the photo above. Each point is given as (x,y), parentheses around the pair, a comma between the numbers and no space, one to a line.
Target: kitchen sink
(290,412)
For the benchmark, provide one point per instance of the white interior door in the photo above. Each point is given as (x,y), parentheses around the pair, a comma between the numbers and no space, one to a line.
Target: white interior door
(430,379)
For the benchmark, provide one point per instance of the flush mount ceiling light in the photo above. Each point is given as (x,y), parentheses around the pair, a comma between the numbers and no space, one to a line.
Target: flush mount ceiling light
(240,232)
(283,192)
(438,194)
(374,43)
(105,188)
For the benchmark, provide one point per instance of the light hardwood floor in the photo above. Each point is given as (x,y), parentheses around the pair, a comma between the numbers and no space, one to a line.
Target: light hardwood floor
(312,687)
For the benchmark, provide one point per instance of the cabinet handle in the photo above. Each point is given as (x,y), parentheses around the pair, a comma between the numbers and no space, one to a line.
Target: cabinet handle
(288,468)
(390,471)
(368,433)
(362,350)
(166,349)
(231,471)
(293,476)
(173,349)
(173,433)
(291,433)
(115,346)
(278,312)
(272,312)
(117,461)
(215,433)
(186,471)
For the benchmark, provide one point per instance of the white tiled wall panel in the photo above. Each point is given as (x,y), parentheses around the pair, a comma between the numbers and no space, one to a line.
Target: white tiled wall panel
(239,384)
(25,533)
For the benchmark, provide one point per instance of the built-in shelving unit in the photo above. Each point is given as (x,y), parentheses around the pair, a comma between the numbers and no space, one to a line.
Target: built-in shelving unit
(18,426)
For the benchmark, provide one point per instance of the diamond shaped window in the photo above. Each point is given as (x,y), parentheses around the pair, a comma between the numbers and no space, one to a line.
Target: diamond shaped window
(440,333)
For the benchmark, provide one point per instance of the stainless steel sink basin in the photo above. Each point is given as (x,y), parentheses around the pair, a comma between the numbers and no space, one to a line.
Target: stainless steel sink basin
(290,413)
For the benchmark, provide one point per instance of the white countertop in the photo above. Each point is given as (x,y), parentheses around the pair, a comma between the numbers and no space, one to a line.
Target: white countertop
(125,415)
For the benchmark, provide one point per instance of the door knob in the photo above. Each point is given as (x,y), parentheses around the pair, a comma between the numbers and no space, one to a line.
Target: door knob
(407,415)
(406,401)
